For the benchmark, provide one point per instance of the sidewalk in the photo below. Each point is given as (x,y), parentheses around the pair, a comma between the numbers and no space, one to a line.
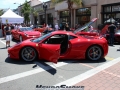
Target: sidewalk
(107,79)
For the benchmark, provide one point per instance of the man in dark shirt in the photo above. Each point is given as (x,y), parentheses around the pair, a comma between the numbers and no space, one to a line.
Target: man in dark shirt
(111,29)
(8,35)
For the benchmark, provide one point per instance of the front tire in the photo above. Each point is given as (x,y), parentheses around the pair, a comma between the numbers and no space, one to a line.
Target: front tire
(28,54)
(94,53)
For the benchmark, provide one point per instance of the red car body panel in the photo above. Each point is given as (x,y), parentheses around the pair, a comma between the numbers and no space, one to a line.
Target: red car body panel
(51,52)
(16,33)
(104,30)
(89,33)
(39,29)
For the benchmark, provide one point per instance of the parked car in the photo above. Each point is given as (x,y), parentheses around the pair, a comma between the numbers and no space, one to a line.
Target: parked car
(24,33)
(60,45)
(40,28)
(95,32)
(117,34)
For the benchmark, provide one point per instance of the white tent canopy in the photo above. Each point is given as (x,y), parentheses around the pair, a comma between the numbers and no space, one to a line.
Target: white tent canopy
(10,17)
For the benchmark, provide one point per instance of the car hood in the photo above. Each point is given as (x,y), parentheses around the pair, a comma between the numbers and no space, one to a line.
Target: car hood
(32,33)
(92,37)
(85,26)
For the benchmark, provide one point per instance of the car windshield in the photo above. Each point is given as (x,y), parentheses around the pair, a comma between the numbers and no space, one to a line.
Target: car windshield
(26,29)
(41,38)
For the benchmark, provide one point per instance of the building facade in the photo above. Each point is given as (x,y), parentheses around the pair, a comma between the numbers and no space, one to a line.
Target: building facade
(101,9)
(50,13)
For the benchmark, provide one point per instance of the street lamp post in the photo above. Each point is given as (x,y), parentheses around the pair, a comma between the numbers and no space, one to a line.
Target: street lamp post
(45,8)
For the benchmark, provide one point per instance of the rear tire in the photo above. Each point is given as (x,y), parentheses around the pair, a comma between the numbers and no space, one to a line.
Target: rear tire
(94,53)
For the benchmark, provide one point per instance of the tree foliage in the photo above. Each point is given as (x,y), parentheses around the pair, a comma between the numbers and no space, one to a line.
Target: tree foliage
(70,2)
(1,12)
(26,10)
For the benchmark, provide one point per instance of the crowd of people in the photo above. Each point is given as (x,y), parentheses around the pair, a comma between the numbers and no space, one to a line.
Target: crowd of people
(49,28)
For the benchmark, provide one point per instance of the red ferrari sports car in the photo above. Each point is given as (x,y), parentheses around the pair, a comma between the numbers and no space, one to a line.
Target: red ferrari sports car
(24,33)
(40,28)
(60,45)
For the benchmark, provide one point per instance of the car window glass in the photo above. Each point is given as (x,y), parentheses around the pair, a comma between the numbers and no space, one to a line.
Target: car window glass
(41,38)
(55,39)
(72,37)
(25,29)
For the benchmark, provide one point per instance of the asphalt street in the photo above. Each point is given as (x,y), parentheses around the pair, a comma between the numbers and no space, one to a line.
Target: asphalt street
(20,75)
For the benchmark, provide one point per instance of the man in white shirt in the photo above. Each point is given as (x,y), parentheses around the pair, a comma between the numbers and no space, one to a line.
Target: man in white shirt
(8,35)
(56,26)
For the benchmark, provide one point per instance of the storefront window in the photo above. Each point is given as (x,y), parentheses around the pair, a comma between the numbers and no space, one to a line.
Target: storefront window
(83,11)
(111,13)
(64,13)
(64,20)
(42,19)
(83,15)
(64,17)
(107,9)
(115,8)
(50,18)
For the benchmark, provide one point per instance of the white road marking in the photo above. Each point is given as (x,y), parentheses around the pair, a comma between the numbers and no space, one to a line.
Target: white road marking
(88,74)
(31,72)
(2,42)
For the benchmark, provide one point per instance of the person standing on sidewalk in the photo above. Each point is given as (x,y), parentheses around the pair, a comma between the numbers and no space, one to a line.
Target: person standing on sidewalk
(56,27)
(111,30)
(4,31)
(8,35)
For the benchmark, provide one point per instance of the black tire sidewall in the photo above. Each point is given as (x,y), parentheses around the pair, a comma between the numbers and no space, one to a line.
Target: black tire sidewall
(87,54)
(22,51)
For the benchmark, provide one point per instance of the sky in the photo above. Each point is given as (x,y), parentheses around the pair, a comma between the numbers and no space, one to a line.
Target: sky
(5,4)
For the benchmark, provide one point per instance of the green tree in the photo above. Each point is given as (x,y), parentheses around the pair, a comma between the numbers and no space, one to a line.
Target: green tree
(1,12)
(35,15)
(26,10)
(70,5)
